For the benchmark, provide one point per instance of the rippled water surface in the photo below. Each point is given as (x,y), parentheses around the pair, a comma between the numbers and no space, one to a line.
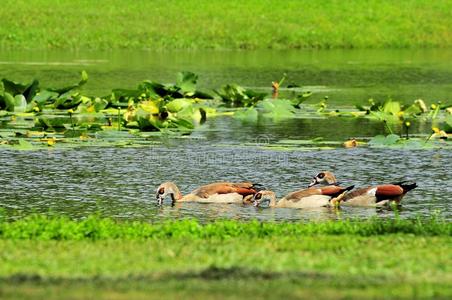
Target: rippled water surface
(121,182)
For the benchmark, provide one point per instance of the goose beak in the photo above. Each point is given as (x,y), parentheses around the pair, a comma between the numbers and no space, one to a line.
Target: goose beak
(313,182)
(255,201)
(159,199)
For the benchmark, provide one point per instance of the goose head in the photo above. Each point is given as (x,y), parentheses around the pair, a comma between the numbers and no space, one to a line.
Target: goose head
(165,189)
(263,196)
(323,178)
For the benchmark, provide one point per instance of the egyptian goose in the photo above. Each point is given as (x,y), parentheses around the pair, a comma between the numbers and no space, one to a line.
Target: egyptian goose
(305,198)
(378,195)
(219,192)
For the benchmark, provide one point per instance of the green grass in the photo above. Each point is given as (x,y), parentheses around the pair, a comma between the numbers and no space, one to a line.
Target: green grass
(41,227)
(191,24)
(101,258)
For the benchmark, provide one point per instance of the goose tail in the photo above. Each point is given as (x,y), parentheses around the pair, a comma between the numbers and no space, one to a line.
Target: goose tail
(407,186)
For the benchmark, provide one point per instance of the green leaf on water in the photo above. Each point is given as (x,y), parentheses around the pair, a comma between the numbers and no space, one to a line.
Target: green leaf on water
(448,123)
(236,95)
(277,108)
(391,107)
(44,96)
(247,114)
(186,82)
(381,140)
(9,101)
(20,103)
(99,104)
(23,145)
(82,82)
(12,87)
(178,105)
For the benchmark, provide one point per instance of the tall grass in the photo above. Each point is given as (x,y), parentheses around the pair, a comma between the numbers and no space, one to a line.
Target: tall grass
(42,227)
(215,24)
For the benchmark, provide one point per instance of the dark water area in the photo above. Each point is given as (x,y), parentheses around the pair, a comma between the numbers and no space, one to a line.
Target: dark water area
(120,182)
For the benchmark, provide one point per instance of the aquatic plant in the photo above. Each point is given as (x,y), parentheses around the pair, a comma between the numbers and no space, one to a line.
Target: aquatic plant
(151,106)
(54,116)
(185,87)
(393,140)
(238,96)
(393,111)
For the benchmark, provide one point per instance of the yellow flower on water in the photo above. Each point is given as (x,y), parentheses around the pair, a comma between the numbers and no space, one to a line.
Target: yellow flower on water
(350,143)
(435,129)
(407,124)
(70,111)
(51,142)
(433,106)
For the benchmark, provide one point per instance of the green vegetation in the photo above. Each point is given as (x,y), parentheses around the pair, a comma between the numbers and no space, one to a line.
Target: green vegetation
(47,24)
(225,259)
(35,117)
(94,228)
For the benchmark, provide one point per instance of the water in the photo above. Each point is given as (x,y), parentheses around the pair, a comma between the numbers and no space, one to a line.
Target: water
(121,182)
(346,76)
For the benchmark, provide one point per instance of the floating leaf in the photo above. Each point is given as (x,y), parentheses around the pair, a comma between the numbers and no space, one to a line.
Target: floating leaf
(178,105)
(14,88)
(82,82)
(277,108)
(20,103)
(392,107)
(24,145)
(8,100)
(149,107)
(239,96)
(45,96)
(247,114)
(100,104)
(186,82)
(381,140)
(448,128)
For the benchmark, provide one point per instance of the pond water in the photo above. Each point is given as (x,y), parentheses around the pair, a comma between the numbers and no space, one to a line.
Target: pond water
(120,182)
(346,76)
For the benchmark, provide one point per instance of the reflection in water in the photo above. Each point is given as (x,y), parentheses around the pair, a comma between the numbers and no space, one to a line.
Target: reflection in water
(346,76)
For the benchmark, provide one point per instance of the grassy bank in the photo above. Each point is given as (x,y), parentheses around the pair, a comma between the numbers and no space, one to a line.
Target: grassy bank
(227,259)
(41,227)
(192,24)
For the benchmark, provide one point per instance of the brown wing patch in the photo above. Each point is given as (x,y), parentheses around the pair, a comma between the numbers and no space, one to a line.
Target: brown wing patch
(388,190)
(243,184)
(242,188)
(331,190)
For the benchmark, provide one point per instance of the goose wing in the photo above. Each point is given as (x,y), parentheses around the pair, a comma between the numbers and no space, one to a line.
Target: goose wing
(380,192)
(242,188)
(332,191)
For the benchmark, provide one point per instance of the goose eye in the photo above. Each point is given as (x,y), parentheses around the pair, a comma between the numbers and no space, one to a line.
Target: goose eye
(258,196)
(161,191)
(321,175)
